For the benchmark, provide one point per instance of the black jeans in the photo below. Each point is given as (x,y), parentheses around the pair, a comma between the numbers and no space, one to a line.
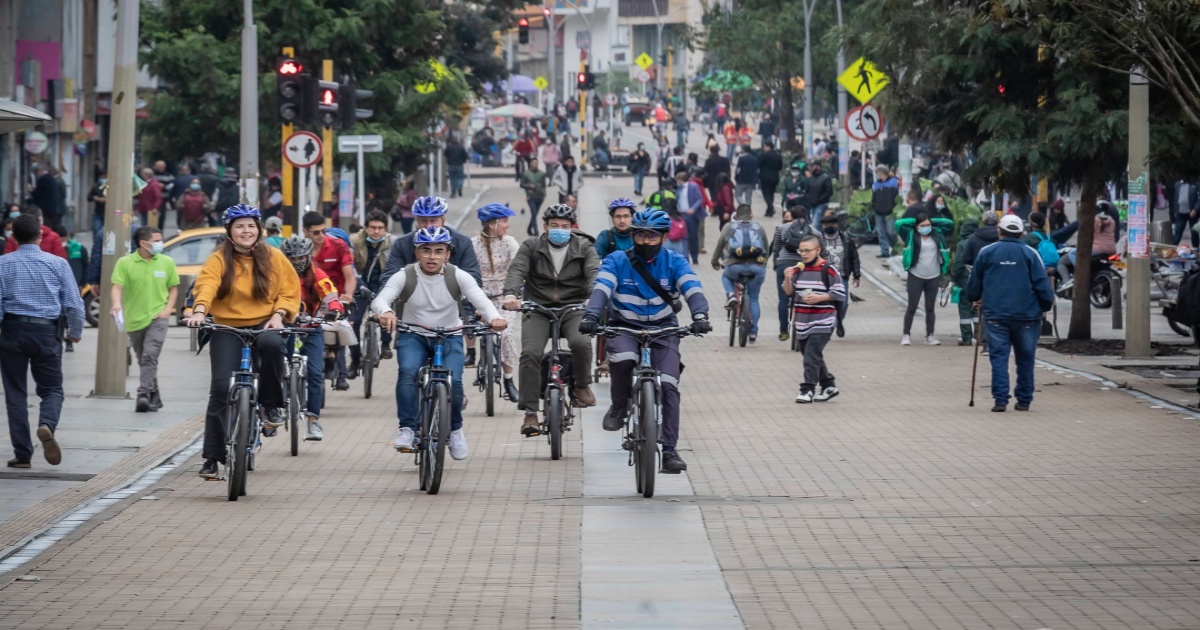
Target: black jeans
(225,355)
(916,286)
(30,348)
(816,374)
(768,193)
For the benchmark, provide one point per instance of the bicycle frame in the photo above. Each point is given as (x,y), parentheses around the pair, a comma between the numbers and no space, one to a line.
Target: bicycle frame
(556,315)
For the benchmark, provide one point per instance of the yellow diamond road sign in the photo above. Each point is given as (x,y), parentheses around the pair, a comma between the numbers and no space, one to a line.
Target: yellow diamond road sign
(644,61)
(541,83)
(863,80)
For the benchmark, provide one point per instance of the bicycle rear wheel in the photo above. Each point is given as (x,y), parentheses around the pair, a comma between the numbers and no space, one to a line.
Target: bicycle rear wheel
(370,351)
(555,410)
(433,443)
(295,384)
(733,324)
(238,454)
(487,371)
(648,440)
(743,312)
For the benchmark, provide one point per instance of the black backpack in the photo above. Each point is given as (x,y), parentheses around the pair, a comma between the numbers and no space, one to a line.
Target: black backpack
(792,234)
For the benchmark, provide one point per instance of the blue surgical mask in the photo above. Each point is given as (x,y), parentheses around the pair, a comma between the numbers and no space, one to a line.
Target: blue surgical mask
(375,240)
(559,236)
(156,248)
(13,215)
(7,233)
(925,230)
(195,186)
(101,181)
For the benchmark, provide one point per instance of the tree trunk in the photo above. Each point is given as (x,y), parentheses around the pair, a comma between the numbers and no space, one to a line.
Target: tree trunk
(787,114)
(1081,304)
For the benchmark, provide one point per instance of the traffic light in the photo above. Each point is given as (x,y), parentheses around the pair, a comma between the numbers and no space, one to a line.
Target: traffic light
(288,94)
(546,17)
(320,101)
(348,105)
(523,30)
(582,81)
(587,80)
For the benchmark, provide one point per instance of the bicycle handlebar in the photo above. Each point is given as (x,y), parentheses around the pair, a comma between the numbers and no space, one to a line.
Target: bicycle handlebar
(553,311)
(251,333)
(646,333)
(466,329)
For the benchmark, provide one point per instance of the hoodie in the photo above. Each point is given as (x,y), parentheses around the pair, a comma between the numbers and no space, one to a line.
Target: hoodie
(883,196)
(984,236)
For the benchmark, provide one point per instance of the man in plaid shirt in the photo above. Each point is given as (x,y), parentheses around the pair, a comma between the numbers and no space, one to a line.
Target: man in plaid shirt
(36,289)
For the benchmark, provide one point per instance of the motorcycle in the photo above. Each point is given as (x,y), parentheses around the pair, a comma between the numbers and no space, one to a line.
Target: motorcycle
(91,304)
(1104,270)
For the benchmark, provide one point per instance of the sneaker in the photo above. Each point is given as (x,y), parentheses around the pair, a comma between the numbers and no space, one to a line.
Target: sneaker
(341,385)
(315,432)
(883,256)
(905,341)
(730,301)
(932,340)
(614,419)
(269,432)
(984,351)
(751,339)
(143,404)
(826,393)
(385,354)
(403,441)
(805,395)
(672,463)
(458,445)
(584,396)
(784,336)
(510,390)
(155,401)
(50,447)
(1022,406)
(531,426)
(964,342)
(210,470)
(16,463)
(999,407)
(274,419)
(1066,286)
(352,371)
(469,361)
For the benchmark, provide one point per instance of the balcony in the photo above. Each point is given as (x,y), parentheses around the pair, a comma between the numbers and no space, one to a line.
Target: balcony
(642,8)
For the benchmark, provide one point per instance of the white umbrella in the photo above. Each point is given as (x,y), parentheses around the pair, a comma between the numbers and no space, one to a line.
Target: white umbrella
(15,116)
(516,110)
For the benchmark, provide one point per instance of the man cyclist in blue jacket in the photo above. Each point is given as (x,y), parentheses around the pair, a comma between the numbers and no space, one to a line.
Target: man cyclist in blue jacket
(630,302)
(618,238)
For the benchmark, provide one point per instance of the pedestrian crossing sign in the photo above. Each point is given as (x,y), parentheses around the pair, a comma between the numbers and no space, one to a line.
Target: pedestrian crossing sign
(644,61)
(863,80)
(541,83)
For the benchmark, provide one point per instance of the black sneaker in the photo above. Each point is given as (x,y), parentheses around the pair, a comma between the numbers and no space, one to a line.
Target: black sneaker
(510,390)
(275,418)
(470,359)
(341,385)
(210,470)
(672,463)
(614,419)
(269,432)
(143,404)
(964,342)
(1022,406)
(999,408)
(352,371)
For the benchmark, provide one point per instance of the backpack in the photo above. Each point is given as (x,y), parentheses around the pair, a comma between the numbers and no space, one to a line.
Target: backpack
(792,235)
(678,230)
(746,241)
(449,272)
(1047,250)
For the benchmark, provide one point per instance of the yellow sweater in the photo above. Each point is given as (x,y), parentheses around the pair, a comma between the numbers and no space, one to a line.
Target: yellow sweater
(240,308)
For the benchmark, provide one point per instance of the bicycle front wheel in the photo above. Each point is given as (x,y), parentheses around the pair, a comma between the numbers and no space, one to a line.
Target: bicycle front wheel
(648,440)
(433,444)
(238,455)
(370,358)
(294,409)
(555,409)
(487,371)
(733,325)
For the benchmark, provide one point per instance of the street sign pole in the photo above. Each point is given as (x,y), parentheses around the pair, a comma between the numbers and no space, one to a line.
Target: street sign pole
(362,204)
(1137,276)
(248,139)
(843,140)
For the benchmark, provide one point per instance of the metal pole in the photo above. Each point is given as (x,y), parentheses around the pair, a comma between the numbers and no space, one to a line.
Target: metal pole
(809,5)
(110,356)
(301,195)
(1137,275)
(658,43)
(508,94)
(362,203)
(843,137)
(551,53)
(248,168)
(287,171)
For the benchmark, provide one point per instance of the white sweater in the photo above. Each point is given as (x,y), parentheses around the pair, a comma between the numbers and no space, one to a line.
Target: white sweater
(431,304)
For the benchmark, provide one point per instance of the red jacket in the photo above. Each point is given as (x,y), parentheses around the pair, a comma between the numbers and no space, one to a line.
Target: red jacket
(725,204)
(51,243)
(317,293)
(150,198)
(699,182)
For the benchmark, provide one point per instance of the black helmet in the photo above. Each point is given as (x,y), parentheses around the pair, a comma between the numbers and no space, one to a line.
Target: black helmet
(559,211)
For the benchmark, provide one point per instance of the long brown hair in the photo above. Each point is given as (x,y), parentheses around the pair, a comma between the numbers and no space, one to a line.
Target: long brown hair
(260,254)
(487,243)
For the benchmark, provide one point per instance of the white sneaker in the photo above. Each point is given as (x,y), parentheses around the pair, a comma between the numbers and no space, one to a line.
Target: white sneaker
(826,394)
(804,396)
(932,340)
(458,445)
(315,432)
(404,440)
(905,341)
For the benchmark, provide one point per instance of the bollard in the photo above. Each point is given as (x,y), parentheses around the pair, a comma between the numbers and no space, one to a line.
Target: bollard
(1114,287)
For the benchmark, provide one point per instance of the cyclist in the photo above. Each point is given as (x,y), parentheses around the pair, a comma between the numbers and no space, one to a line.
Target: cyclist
(247,284)
(555,269)
(318,298)
(430,212)
(623,291)
(370,247)
(433,302)
(617,238)
(743,249)
(497,249)
(334,258)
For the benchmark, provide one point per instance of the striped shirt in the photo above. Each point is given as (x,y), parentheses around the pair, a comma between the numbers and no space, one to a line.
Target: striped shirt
(624,295)
(36,284)
(819,318)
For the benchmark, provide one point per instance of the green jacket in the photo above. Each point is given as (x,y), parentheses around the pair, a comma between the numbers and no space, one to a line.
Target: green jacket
(532,271)
(959,273)
(912,250)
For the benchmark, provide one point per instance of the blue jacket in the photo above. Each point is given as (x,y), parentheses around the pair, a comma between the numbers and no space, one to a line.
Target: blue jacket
(695,198)
(404,253)
(1010,278)
(610,241)
(629,301)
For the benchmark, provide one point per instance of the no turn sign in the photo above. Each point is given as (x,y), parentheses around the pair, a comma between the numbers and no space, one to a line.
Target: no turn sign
(864,123)
(302,149)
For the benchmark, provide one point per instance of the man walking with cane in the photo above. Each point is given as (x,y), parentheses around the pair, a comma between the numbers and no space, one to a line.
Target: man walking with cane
(1009,278)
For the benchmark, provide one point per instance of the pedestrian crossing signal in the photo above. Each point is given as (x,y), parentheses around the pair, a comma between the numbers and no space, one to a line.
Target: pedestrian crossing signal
(523,30)
(320,102)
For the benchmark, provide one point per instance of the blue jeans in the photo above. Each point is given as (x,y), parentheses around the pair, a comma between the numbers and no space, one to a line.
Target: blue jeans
(1183,221)
(456,174)
(679,247)
(413,351)
(693,227)
(1022,338)
(883,230)
(754,286)
(314,349)
(638,175)
(817,211)
(361,307)
(27,348)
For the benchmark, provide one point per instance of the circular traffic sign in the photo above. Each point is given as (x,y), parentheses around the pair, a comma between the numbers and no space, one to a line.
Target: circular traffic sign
(643,76)
(864,123)
(302,149)
(36,142)
(611,99)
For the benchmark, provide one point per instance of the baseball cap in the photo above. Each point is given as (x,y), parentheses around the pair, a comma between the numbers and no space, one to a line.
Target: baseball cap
(274,223)
(1012,224)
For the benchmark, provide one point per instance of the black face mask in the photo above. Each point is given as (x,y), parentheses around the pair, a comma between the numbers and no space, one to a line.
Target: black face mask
(647,252)
(831,230)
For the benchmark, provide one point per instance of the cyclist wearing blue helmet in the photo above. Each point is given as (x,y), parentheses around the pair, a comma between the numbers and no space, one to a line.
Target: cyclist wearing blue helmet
(618,238)
(623,292)
(434,288)
(495,250)
(247,284)
(332,255)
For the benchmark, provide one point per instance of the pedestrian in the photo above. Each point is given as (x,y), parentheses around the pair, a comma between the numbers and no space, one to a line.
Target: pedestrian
(711,143)
(682,126)
(37,296)
(550,155)
(745,176)
(745,135)
(926,259)
(145,286)
(696,176)
(639,165)
(915,205)
(795,187)
(1058,216)
(568,179)
(690,202)
(714,166)
(601,155)
(50,242)
(45,195)
(820,191)
(816,286)
(766,129)
(227,196)
(784,248)
(456,164)
(1184,203)
(730,134)
(883,204)
(839,250)
(274,227)
(1009,282)
(193,206)
(677,234)
(936,207)
(523,150)
(770,164)
(968,315)
(724,203)
(533,182)
(272,204)
(402,211)
(98,197)
(742,249)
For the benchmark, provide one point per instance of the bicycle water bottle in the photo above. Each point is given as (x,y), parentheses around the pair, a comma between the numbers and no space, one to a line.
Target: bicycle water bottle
(245,359)
(437,356)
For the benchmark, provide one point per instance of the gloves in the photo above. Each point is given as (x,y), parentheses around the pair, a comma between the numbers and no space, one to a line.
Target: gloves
(589,325)
(701,326)
(331,316)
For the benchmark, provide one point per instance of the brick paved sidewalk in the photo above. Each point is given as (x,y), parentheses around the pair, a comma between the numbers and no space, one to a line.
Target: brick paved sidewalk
(892,506)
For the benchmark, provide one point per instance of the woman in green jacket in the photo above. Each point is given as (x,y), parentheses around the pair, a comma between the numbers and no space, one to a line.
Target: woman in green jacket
(926,259)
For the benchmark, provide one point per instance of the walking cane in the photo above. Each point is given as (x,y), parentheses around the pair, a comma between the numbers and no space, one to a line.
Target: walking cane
(975,363)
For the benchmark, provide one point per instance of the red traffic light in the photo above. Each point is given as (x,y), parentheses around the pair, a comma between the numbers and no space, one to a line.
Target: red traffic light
(1001,88)
(546,11)
(290,67)
(582,78)
(328,97)
(523,23)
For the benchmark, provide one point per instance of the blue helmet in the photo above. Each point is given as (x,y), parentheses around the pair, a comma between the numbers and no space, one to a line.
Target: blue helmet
(241,211)
(655,220)
(431,235)
(429,207)
(622,202)
(494,211)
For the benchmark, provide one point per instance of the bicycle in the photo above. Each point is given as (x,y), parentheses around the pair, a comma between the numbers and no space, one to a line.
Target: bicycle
(488,370)
(643,422)
(862,230)
(434,379)
(369,345)
(557,377)
(243,417)
(739,314)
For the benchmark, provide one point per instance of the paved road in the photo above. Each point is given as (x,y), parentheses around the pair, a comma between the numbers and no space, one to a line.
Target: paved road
(893,506)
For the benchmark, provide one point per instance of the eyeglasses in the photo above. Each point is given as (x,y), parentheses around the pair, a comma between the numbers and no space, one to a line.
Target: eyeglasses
(808,251)
(314,232)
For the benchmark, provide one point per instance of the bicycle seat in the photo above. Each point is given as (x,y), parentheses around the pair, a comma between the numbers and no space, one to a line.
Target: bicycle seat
(746,276)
